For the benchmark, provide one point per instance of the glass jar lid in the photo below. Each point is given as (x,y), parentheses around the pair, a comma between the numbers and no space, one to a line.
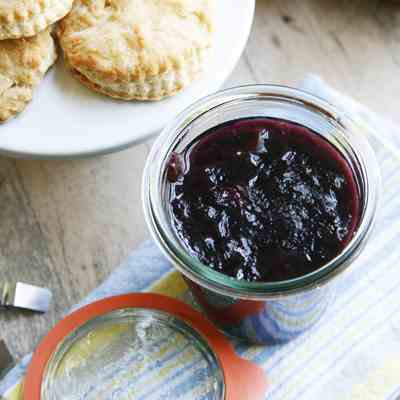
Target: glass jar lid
(139,346)
(129,354)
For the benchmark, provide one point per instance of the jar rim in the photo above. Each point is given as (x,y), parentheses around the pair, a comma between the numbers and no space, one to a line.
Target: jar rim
(221,283)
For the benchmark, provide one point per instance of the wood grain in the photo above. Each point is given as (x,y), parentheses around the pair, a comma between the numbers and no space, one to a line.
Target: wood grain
(66,225)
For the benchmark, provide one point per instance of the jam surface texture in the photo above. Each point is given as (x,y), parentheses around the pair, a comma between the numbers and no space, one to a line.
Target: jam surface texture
(263,199)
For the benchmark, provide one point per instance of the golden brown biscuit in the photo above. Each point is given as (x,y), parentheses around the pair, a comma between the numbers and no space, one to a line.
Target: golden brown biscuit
(137,49)
(26,18)
(23,63)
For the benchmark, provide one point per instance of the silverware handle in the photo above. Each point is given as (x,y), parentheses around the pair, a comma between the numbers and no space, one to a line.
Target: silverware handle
(6,359)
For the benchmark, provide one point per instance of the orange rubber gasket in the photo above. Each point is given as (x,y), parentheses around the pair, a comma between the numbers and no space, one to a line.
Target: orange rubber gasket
(243,379)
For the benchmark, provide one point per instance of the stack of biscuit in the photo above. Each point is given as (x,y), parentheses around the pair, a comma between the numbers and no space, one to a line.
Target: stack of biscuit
(27,49)
(126,49)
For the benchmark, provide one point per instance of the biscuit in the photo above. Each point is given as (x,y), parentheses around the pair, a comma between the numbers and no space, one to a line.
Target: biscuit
(137,49)
(26,18)
(23,64)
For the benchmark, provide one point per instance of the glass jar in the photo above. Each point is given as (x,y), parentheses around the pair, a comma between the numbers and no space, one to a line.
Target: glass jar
(260,312)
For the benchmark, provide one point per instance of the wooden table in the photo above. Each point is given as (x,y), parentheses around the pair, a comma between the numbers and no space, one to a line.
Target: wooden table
(67,224)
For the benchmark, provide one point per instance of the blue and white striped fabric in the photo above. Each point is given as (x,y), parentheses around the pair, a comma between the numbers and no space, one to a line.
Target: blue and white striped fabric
(354,353)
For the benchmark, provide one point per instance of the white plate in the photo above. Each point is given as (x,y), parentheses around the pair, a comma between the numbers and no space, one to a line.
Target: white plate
(66,120)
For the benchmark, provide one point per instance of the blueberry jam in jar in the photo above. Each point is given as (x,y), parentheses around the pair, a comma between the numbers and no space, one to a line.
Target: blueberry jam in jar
(263,199)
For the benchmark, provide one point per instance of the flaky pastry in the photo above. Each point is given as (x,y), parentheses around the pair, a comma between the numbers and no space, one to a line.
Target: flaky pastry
(23,64)
(26,18)
(137,49)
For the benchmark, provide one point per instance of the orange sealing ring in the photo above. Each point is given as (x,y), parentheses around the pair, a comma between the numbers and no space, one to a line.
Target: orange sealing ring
(243,379)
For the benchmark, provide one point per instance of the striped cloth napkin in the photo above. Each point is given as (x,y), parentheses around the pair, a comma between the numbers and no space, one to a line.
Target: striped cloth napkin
(354,353)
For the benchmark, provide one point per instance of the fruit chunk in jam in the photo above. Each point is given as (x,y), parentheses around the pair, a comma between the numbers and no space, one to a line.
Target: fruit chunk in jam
(263,199)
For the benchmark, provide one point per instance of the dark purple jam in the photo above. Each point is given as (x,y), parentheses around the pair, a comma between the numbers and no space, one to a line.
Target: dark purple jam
(263,199)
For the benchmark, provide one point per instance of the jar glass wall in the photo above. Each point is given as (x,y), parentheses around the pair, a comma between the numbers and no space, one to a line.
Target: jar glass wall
(260,311)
